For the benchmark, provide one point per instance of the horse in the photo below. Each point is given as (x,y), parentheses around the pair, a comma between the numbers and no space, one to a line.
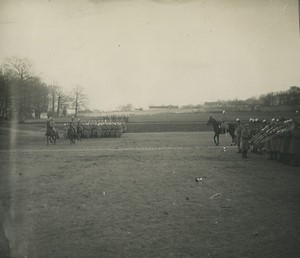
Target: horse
(71,133)
(218,130)
(51,136)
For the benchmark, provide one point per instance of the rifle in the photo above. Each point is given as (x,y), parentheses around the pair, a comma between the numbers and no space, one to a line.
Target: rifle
(265,131)
(287,127)
(271,131)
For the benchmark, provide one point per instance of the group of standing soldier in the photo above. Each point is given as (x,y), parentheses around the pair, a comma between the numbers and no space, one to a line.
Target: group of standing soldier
(279,139)
(99,128)
(243,134)
(115,126)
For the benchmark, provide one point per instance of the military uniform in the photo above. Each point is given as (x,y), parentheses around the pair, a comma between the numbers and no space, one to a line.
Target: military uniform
(79,128)
(72,123)
(224,123)
(238,132)
(245,135)
(294,147)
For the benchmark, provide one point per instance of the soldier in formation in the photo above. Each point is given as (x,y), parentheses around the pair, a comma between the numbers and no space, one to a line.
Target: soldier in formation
(100,129)
(245,137)
(238,132)
(255,126)
(280,139)
(79,129)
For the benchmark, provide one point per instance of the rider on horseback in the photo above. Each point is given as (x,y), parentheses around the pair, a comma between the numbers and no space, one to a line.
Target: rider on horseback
(71,130)
(73,124)
(51,127)
(224,124)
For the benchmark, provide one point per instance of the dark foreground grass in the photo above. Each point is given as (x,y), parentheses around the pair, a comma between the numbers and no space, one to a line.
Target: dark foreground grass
(136,196)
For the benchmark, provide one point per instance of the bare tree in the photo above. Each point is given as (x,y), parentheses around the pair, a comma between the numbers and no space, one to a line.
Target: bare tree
(53,89)
(58,99)
(294,93)
(21,69)
(21,66)
(5,98)
(58,103)
(79,99)
(22,95)
(37,97)
(62,101)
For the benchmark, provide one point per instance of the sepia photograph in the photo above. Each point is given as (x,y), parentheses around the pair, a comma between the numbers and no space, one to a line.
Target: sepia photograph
(149,128)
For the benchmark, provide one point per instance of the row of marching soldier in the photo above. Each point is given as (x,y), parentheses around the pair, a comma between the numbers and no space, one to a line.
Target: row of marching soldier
(97,128)
(278,140)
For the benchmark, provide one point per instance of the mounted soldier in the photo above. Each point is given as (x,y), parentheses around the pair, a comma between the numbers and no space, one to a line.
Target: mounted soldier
(224,124)
(71,130)
(51,132)
(218,130)
(72,123)
(51,127)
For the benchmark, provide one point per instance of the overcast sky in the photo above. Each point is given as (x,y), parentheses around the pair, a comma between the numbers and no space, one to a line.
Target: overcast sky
(157,52)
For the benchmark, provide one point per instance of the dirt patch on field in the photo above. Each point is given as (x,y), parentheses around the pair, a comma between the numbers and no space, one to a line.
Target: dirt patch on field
(147,195)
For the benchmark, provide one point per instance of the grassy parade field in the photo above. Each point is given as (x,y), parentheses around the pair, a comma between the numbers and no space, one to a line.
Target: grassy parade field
(137,196)
(171,121)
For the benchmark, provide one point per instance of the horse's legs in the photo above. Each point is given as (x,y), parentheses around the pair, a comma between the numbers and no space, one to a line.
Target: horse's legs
(47,140)
(72,139)
(218,139)
(216,142)
(232,137)
(233,140)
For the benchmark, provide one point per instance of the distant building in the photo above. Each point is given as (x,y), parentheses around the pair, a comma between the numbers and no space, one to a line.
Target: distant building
(162,107)
(44,116)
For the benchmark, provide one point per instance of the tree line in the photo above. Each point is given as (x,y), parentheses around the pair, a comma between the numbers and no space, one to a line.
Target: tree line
(290,97)
(24,95)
